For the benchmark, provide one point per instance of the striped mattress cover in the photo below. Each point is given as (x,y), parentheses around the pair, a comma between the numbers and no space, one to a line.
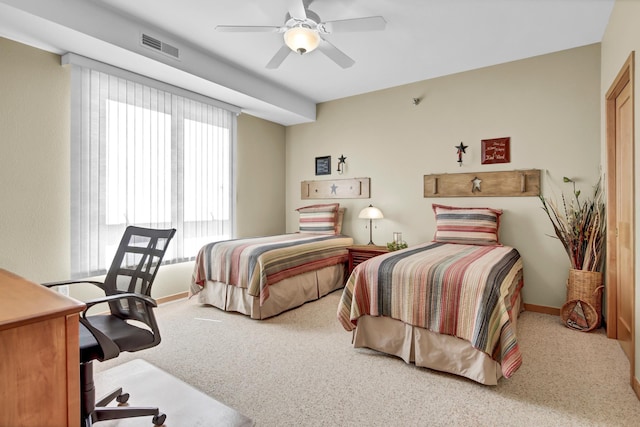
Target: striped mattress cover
(257,262)
(461,290)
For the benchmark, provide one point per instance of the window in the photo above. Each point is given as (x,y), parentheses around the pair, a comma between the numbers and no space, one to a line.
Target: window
(148,154)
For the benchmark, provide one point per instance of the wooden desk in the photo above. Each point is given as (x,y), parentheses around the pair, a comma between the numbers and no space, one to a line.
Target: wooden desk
(39,355)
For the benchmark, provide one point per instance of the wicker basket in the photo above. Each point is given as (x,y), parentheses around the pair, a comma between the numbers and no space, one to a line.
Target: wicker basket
(590,315)
(585,286)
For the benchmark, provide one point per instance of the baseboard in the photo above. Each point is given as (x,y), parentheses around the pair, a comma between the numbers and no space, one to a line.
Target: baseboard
(528,307)
(542,309)
(169,298)
(635,385)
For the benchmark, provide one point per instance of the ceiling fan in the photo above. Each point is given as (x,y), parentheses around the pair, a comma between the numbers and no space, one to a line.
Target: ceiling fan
(303,32)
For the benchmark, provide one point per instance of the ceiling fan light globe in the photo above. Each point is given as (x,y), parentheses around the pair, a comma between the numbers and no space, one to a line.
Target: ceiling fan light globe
(301,39)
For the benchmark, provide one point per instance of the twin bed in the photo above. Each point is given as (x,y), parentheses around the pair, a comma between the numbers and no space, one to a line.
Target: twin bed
(262,277)
(450,304)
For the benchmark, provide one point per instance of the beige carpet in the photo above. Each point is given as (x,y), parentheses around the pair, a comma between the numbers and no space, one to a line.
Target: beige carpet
(299,369)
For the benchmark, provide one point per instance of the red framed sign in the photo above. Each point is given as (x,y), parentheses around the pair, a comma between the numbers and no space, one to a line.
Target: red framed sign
(496,150)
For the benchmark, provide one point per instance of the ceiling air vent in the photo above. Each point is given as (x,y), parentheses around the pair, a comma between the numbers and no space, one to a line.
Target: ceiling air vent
(160,46)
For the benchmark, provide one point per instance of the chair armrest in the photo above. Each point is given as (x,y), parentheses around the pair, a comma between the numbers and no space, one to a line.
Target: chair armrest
(147,300)
(109,348)
(73,282)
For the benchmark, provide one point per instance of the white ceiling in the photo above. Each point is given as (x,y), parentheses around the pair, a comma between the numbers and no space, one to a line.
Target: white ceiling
(423,39)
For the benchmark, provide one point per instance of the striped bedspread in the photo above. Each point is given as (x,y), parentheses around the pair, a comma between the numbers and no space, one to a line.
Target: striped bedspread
(256,263)
(460,290)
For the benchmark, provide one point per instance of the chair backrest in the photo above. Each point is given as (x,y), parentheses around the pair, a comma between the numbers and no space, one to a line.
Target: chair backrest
(134,268)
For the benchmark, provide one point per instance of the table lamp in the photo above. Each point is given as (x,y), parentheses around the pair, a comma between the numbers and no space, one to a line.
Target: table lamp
(370,213)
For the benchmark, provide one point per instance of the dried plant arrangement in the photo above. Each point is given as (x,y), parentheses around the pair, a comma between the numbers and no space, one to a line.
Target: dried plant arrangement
(580,226)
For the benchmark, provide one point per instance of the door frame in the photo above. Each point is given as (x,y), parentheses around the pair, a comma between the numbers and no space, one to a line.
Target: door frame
(625,76)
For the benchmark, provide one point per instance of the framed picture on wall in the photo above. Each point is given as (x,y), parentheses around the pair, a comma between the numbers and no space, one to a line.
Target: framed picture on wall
(323,165)
(496,150)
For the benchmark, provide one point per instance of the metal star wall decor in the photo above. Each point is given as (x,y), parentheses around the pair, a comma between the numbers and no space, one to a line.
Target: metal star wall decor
(461,150)
(341,161)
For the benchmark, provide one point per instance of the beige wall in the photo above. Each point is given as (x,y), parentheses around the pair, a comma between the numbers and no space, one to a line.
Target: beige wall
(34,172)
(621,37)
(549,106)
(261,177)
(34,162)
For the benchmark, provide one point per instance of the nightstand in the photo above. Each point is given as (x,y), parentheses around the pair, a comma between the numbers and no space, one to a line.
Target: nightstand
(361,253)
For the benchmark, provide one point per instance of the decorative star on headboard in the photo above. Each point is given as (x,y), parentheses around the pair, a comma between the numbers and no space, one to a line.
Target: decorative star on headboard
(475,184)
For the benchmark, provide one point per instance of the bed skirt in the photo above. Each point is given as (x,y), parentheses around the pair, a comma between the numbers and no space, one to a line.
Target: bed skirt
(428,349)
(284,295)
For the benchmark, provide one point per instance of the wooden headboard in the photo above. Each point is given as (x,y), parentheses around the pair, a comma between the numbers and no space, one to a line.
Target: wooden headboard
(518,183)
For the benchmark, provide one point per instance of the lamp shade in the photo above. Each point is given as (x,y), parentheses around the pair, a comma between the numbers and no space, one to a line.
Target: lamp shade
(301,39)
(370,212)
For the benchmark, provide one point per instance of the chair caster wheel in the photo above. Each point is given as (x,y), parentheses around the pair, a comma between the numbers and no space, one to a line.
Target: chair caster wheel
(159,419)
(123,398)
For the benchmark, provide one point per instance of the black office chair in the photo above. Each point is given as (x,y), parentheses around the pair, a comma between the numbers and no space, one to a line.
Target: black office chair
(127,288)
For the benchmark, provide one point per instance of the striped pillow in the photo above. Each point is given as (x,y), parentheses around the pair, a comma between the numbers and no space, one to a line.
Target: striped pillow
(319,219)
(340,220)
(468,226)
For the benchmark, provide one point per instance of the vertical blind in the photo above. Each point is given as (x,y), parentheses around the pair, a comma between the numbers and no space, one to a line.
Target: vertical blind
(144,155)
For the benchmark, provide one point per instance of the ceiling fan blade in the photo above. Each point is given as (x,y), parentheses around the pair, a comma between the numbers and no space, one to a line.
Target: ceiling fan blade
(371,23)
(247,29)
(279,57)
(335,54)
(297,9)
